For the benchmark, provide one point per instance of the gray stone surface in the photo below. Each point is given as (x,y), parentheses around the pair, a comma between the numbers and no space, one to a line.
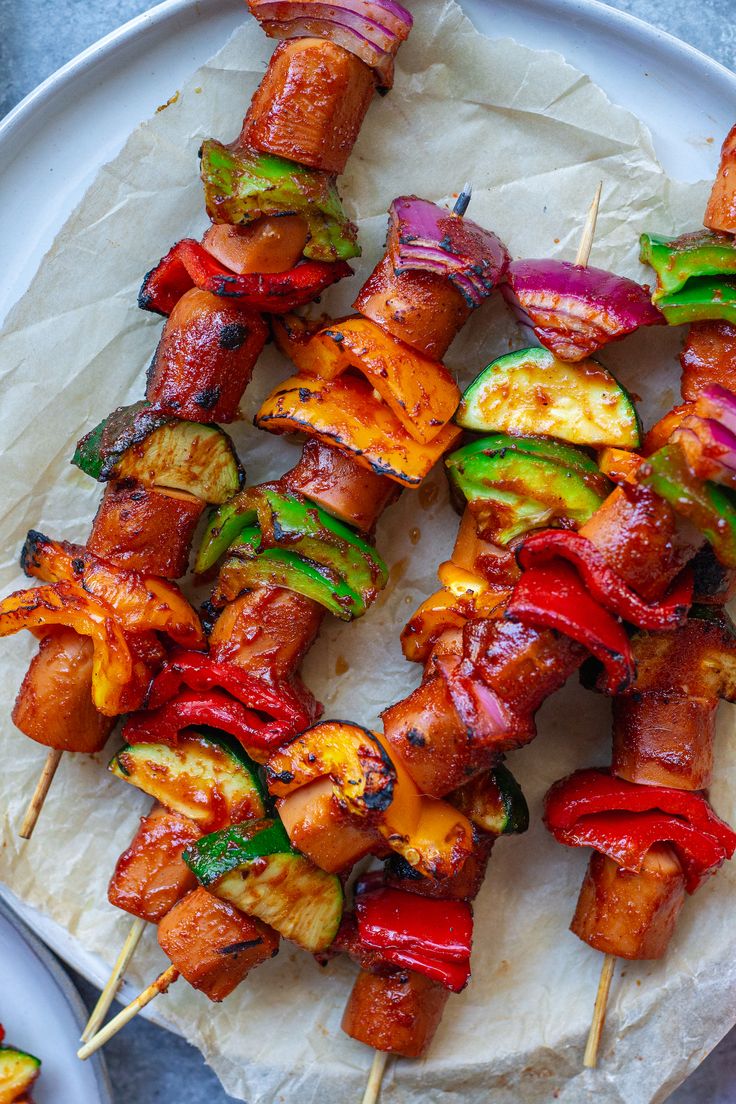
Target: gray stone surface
(146,1064)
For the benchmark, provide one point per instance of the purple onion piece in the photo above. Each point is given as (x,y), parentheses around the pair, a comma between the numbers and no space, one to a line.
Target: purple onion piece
(717,402)
(428,238)
(576,309)
(373,30)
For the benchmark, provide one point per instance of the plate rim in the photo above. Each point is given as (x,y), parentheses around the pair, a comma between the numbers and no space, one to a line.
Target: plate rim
(105,50)
(64,983)
(100,51)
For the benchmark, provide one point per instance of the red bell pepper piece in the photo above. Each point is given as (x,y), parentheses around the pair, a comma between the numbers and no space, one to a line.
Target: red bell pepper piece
(606,585)
(289,703)
(432,936)
(623,820)
(554,597)
(188,265)
(215,710)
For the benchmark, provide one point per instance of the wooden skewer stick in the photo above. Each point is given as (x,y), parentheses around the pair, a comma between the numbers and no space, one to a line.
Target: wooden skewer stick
(590,1059)
(373,1088)
(586,242)
(381,1057)
(375,1077)
(160,985)
(39,794)
(108,994)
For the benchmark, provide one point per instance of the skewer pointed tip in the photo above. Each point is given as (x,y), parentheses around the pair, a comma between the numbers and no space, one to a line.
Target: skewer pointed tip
(586,242)
(160,985)
(463,200)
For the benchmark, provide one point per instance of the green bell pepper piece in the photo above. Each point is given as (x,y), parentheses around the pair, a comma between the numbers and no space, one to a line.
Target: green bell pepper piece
(241,186)
(250,565)
(302,527)
(513,485)
(710,508)
(679,260)
(701,300)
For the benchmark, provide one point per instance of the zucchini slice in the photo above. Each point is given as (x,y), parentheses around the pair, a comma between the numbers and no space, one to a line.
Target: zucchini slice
(254,867)
(513,485)
(207,778)
(136,442)
(18,1071)
(531,391)
(494,802)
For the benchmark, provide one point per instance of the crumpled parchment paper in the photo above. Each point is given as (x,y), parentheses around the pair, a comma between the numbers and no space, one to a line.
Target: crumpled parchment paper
(535,136)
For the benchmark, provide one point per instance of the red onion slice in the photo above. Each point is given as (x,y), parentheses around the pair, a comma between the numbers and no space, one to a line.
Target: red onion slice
(575,309)
(719,403)
(709,448)
(426,237)
(373,30)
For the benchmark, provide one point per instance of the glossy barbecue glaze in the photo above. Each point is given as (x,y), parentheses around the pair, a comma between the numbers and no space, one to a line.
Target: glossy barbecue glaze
(626,914)
(213,944)
(150,876)
(54,705)
(205,358)
(310,105)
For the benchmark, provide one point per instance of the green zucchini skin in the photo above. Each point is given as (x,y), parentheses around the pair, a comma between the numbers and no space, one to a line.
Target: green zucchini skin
(207,778)
(532,391)
(18,1071)
(494,803)
(216,855)
(254,867)
(137,442)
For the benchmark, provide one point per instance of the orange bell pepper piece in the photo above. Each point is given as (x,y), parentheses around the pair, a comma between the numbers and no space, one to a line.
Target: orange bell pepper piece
(421,392)
(659,435)
(140,603)
(620,465)
(346,413)
(119,677)
(432,836)
(464,597)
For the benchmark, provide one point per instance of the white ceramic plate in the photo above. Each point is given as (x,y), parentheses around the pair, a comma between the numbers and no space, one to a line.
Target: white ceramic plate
(42,1013)
(52,144)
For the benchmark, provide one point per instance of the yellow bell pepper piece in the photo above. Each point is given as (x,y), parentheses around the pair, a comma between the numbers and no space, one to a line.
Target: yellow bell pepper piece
(42,608)
(432,836)
(421,392)
(347,413)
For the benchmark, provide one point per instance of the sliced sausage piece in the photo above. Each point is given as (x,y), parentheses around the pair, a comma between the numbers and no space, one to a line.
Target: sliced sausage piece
(630,915)
(420,308)
(310,105)
(398,1013)
(269,244)
(709,356)
(145,529)
(720,214)
(664,738)
(317,826)
(634,529)
(338,484)
(151,876)
(212,944)
(54,704)
(205,358)
(267,630)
